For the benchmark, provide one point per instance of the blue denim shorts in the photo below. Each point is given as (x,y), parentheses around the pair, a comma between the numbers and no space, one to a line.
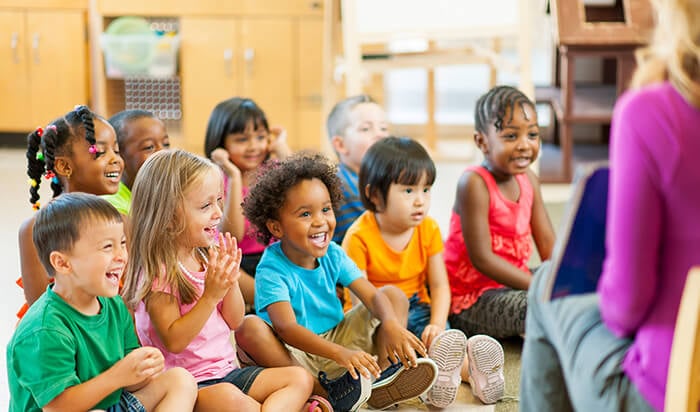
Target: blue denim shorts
(242,378)
(127,403)
(419,316)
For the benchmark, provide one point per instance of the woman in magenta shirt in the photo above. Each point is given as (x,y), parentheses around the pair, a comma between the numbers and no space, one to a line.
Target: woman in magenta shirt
(610,350)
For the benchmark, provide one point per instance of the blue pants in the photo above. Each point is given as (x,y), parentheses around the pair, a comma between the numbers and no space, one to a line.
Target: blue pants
(419,316)
(571,360)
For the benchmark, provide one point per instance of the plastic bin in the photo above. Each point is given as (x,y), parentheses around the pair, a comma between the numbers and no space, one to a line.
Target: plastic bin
(140,55)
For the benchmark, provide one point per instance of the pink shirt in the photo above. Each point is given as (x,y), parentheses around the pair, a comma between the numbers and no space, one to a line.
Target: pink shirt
(249,243)
(509,225)
(209,355)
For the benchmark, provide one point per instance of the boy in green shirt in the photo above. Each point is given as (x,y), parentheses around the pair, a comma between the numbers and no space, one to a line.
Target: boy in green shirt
(76,349)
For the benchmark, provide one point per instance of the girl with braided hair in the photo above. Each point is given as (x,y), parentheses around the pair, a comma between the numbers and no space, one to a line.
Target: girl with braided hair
(75,153)
(497,212)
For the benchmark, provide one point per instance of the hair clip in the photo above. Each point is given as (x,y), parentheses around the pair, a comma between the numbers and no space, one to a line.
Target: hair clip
(77,107)
(52,127)
(36,206)
(39,131)
(92,149)
(55,180)
(49,175)
(39,156)
(32,182)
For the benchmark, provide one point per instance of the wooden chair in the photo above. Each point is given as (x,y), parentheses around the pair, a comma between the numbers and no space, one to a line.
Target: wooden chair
(611,33)
(456,32)
(683,383)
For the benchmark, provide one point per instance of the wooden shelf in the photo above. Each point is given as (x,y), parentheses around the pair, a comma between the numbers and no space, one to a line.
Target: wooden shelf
(592,103)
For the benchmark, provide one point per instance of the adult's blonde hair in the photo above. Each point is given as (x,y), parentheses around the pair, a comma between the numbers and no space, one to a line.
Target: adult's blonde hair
(674,51)
(156,224)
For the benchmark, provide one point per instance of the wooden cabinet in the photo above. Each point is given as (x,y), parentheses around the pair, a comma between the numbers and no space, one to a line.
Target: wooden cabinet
(267,50)
(43,65)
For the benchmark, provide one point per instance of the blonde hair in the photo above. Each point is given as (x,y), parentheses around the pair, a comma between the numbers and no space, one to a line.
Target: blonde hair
(156,223)
(674,51)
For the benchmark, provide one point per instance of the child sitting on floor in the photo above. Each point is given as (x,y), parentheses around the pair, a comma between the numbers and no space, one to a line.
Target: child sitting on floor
(75,348)
(295,294)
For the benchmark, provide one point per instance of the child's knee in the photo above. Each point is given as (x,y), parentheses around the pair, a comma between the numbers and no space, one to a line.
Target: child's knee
(179,380)
(252,327)
(301,378)
(397,298)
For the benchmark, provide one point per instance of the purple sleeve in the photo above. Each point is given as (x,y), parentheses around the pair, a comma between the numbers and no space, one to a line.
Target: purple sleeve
(628,284)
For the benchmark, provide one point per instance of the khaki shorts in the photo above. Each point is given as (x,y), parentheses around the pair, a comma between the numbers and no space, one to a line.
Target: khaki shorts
(355,331)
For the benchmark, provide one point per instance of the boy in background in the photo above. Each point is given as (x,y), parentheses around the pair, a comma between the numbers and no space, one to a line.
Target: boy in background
(354,124)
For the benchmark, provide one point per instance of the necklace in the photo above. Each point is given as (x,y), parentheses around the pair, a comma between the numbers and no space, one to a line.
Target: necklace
(189,274)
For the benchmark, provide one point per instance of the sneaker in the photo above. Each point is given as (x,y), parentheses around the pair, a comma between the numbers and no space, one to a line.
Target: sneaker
(397,384)
(486,368)
(345,393)
(447,350)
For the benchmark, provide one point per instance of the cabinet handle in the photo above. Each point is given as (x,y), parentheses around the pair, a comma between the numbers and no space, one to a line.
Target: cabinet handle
(316,5)
(249,57)
(228,62)
(35,47)
(14,41)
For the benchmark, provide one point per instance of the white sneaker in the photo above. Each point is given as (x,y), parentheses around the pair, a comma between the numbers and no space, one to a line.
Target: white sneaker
(448,350)
(486,368)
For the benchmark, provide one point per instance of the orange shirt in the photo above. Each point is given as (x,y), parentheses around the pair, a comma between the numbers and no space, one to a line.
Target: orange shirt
(406,269)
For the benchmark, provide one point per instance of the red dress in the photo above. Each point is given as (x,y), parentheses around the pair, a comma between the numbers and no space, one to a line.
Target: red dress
(509,224)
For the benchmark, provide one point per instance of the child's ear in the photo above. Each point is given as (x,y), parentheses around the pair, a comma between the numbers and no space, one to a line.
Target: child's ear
(481,142)
(62,166)
(60,262)
(374,198)
(275,228)
(338,144)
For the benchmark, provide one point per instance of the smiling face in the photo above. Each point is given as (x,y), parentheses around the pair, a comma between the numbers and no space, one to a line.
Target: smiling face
(406,205)
(306,223)
(247,150)
(367,124)
(143,136)
(201,211)
(512,150)
(97,173)
(94,265)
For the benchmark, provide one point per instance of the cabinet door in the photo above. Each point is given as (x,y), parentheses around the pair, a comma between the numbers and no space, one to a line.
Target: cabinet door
(311,126)
(57,62)
(14,81)
(268,69)
(209,73)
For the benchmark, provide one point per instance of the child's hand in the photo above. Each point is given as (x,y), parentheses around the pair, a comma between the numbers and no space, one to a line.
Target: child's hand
(139,365)
(402,345)
(223,270)
(278,142)
(430,332)
(220,157)
(357,360)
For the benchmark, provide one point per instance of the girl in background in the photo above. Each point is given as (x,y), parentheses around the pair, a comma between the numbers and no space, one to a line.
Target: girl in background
(76,153)
(239,140)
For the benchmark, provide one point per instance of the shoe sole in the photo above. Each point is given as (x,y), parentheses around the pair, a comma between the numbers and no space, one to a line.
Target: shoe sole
(486,358)
(447,351)
(407,384)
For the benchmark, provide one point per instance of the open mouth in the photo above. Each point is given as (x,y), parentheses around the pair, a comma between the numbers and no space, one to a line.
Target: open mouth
(319,239)
(113,176)
(114,276)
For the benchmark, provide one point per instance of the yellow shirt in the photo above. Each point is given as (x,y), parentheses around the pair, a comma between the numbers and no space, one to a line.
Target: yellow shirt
(406,269)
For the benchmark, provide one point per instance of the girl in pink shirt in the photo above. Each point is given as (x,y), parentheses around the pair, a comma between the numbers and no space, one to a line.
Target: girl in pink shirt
(183,279)
(497,212)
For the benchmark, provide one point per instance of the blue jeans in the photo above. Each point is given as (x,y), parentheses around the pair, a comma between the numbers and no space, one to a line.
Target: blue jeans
(242,378)
(571,360)
(419,316)
(127,403)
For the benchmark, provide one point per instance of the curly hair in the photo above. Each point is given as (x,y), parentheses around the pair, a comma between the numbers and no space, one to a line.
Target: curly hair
(275,179)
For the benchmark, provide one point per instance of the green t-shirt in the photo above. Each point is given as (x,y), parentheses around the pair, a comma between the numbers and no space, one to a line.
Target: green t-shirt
(55,347)
(120,200)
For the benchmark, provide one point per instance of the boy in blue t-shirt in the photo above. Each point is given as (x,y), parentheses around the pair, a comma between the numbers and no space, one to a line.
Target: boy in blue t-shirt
(75,348)
(295,282)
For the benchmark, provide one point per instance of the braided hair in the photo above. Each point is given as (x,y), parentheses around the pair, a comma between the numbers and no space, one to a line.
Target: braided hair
(43,145)
(492,106)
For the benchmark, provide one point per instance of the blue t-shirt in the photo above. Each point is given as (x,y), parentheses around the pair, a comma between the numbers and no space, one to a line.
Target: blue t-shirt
(310,292)
(350,206)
